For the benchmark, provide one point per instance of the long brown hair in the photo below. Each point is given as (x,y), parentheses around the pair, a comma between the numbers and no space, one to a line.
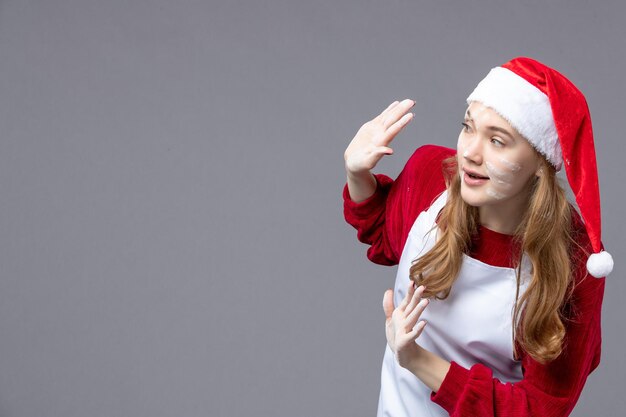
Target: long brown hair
(545,239)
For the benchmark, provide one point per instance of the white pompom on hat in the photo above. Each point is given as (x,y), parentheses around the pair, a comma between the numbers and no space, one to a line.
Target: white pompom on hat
(552,114)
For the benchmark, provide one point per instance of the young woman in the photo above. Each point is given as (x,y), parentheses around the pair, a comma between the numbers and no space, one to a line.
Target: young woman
(497,300)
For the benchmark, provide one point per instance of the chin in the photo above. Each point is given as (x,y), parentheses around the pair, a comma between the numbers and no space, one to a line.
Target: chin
(470,198)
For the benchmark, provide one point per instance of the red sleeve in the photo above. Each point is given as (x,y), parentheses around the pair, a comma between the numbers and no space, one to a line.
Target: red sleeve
(384,220)
(549,390)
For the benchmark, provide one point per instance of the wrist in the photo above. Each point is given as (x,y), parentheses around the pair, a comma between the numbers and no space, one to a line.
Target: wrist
(361,175)
(361,185)
(430,368)
(415,363)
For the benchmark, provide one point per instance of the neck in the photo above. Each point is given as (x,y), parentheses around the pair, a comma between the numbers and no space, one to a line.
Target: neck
(504,218)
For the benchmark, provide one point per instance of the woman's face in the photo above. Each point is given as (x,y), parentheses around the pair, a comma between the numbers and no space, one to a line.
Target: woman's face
(495,162)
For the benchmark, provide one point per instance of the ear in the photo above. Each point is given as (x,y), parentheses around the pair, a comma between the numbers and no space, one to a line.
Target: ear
(540,171)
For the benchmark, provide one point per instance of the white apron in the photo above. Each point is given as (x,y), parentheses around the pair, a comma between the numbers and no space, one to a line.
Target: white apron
(473,325)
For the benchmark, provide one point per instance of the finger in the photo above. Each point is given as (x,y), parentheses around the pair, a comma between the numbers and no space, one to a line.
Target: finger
(382,150)
(391,106)
(417,330)
(388,304)
(395,128)
(417,296)
(393,115)
(382,114)
(414,316)
(407,297)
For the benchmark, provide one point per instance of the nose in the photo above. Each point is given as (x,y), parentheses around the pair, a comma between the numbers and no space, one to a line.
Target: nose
(473,150)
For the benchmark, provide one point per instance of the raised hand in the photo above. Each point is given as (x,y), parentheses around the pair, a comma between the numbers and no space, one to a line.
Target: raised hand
(371,141)
(401,325)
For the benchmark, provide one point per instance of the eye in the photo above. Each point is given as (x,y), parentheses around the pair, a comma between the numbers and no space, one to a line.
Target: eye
(497,142)
(466,127)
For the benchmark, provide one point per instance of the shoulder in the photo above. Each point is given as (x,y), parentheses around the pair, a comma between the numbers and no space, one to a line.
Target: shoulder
(421,181)
(425,168)
(423,175)
(429,156)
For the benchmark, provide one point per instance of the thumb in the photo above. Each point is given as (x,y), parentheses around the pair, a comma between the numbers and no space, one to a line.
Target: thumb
(388,306)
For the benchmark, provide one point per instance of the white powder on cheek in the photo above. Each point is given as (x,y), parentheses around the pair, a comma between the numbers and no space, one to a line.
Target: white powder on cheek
(510,165)
(494,194)
(501,177)
(460,148)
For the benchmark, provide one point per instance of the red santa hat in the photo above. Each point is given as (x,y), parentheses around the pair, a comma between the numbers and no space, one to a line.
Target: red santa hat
(552,114)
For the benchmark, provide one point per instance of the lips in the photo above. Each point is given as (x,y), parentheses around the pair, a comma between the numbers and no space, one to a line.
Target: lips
(475,175)
(474,178)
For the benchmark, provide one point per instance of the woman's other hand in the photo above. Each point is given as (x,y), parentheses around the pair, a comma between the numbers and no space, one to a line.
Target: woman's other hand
(401,326)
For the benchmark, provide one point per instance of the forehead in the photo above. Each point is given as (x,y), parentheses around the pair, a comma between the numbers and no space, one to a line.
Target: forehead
(479,112)
(486,118)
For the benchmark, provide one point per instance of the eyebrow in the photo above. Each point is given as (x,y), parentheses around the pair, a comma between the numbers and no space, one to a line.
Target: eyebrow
(493,128)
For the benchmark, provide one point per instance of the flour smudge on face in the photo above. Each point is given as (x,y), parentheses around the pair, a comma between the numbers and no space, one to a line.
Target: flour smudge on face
(502,177)
(513,167)
(494,194)
(499,175)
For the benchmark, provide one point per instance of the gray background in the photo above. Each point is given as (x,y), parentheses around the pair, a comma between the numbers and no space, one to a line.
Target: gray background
(171,233)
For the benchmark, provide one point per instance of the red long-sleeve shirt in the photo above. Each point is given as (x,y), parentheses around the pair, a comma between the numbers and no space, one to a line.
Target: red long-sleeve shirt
(547,390)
